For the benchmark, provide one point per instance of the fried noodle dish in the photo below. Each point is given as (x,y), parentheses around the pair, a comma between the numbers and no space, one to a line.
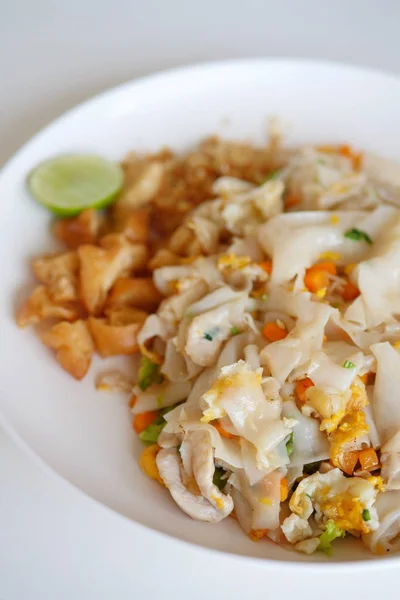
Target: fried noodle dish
(258,291)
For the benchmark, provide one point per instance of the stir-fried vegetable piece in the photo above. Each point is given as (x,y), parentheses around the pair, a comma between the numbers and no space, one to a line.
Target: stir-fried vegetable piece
(219,478)
(357,235)
(301,387)
(331,533)
(273,333)
(289,444)
(143,420)
(349,365)
(149,373)
(149,435)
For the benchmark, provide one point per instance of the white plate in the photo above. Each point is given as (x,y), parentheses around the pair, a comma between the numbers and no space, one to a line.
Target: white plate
(84,435)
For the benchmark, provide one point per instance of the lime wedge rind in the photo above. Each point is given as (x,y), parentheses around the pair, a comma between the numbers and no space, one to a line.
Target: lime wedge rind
(68,184)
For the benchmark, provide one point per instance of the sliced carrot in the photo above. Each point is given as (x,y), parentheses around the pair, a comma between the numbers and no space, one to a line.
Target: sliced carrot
(327,266)
(350,292)
(292,200)
(355,157)
(369,460)
(301,387)
(272,332)
(316,279)
(266,266)
(222,431)
(132,401)
(284,489)
(143,420)
(317,276)
(344,150)
(349,461)
(364,378)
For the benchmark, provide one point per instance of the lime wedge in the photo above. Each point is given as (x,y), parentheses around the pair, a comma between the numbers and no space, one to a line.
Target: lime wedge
(68,184)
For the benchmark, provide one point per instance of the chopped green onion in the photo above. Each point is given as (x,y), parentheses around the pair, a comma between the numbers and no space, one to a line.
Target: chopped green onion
(308,496)
(210,335)
(289,444)
(357,235)
(366,515)
(349,365)
(272,175)
(219,478)
(234,330)
(152,431)
(331,533)
(149,373)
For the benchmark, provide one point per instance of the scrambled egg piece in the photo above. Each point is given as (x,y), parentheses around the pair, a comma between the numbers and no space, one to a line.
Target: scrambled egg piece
(347,501)
(232,261)
(238,375)
(352,427)
(148,462)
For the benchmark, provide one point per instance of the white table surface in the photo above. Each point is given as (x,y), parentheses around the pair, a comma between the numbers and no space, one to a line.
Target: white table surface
(53,54)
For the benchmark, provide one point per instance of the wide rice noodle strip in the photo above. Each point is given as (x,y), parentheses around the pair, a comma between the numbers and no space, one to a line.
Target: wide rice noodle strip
(385,403)
(309,443)
(294,241)
(177,367)
(208,331)
(387,537)
(303,341)
(238,393)
(160,396)
(262,498)
(378,279)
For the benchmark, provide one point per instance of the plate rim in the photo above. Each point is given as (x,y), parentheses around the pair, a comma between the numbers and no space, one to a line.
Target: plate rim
(155,77)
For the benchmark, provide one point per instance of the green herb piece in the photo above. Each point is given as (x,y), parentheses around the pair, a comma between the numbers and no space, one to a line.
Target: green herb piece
(308,496)
(349,365)
(272,175)
(326,538)
(357,235)
(149,373)
(311,468)
(151,433)
(264,297)
(220,478)
(234,330)
(366,515)
(210,335)
(289,444)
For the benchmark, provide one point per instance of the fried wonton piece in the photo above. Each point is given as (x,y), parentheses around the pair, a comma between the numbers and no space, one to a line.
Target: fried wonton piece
(139,292)
(79,230)
(124,315)
(163,258)
(100,267)
(60,274)
(133,223)
(74,346)
(40,305)
(111,340)
(142,182)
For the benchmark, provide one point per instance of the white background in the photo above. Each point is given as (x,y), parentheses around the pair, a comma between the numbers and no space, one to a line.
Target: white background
(53,54)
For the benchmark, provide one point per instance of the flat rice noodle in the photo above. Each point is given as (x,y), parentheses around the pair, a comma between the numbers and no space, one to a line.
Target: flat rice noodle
(385,402)
(309,443)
